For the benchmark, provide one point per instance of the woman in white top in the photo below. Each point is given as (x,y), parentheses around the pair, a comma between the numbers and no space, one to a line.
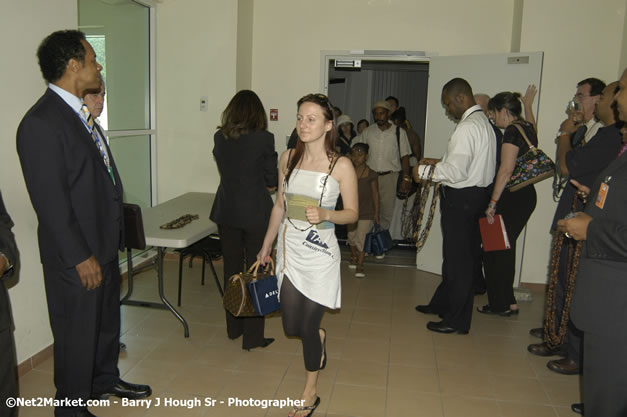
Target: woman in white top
(311,177)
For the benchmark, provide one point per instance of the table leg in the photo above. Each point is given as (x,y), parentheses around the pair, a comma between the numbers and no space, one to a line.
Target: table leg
(129,275)
(161,292)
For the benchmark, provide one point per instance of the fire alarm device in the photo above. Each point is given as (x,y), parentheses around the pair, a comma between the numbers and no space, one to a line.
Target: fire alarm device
(274,115)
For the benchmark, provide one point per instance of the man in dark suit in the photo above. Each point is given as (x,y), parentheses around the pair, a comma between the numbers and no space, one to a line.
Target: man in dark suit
(77,195)
(598,307)
(8,258)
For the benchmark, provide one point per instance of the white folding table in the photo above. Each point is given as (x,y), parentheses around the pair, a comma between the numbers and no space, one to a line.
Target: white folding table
(154,217)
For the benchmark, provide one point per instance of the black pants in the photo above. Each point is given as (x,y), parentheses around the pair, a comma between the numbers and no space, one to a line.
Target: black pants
(461,209)
(8,370)
(301,318)
(500,266)
(573,342)
(86,329)
(239,250)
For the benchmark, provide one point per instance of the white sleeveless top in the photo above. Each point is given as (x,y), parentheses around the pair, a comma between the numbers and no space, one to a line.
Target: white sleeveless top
(310,255)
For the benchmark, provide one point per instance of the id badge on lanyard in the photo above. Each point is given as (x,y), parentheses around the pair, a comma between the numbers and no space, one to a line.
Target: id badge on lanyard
(604,189)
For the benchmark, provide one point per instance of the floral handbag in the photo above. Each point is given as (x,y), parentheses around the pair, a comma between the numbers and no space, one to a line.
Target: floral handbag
(534,166)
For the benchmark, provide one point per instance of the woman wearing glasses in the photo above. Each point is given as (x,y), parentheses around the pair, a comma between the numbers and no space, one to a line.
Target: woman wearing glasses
(311,178)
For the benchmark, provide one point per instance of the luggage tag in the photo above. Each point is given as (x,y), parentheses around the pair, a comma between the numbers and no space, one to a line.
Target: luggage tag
(603,190)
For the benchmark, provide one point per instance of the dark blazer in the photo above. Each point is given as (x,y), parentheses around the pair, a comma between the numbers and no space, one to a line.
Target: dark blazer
(601,287)
(8,248)
(78,206)
(584,164)
(247,166)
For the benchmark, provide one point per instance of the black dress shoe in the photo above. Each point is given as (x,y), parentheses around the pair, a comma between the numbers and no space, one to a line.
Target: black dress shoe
(537,332)
(577,408)
(427,309)
(125,389)
(266,342)
(440,327)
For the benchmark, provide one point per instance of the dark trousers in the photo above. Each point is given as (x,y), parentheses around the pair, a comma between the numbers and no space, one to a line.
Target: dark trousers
(239,250)
(605,374)
(8,370)
(573,342)
(86,329)
(500,266)
(460,209)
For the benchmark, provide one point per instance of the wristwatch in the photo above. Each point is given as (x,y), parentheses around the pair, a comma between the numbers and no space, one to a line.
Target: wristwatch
(562,133)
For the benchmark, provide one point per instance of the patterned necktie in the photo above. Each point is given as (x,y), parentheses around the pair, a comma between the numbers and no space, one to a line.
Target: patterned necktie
(96,137)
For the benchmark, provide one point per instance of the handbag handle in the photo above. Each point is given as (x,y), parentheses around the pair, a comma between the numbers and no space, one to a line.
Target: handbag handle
(254,268)
(524,135)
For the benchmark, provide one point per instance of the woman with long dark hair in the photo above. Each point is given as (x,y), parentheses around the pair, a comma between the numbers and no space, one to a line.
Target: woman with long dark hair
(515,207)
(247,161)
(311,178)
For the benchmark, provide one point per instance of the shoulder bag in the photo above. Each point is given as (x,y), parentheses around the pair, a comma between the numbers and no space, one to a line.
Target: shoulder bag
(534,166)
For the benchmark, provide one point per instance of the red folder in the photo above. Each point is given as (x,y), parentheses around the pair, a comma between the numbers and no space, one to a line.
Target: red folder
(494,236)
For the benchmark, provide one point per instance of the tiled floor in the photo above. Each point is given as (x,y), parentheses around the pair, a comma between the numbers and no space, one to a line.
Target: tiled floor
(382,360)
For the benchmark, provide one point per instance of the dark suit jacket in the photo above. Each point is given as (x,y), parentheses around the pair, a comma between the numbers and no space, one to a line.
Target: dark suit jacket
(8,248)
(600,300)
(585,163)
(78,206)
(247,166)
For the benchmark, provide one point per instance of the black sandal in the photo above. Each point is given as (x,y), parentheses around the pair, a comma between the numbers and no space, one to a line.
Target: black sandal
(310,408)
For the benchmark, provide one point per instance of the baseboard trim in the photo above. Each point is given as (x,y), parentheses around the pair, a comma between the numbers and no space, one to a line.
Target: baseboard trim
(34,361)
(534,287)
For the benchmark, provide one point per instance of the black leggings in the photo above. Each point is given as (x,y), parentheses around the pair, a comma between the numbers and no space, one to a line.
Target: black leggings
(302,317)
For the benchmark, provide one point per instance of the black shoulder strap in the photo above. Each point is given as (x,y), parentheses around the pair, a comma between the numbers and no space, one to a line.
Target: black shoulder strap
(333,162)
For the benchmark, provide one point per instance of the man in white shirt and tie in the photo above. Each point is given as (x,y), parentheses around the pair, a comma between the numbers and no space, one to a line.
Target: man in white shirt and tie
(465,171)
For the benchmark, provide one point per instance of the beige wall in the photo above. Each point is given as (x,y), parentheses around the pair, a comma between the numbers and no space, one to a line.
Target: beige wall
(196,55)
(244,44)
(623,58)
(23,24)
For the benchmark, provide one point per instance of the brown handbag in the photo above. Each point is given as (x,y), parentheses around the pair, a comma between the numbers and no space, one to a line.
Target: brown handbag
(236,298)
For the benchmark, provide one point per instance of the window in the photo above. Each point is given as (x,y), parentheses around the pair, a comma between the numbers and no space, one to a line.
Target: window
(120,31)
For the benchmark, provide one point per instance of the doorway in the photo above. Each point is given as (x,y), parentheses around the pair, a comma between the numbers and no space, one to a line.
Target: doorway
(489,74)
(355,89)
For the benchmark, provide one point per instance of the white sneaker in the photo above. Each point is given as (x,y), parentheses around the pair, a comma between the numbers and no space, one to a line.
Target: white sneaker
(360,272)
(352,266)
(380,256)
